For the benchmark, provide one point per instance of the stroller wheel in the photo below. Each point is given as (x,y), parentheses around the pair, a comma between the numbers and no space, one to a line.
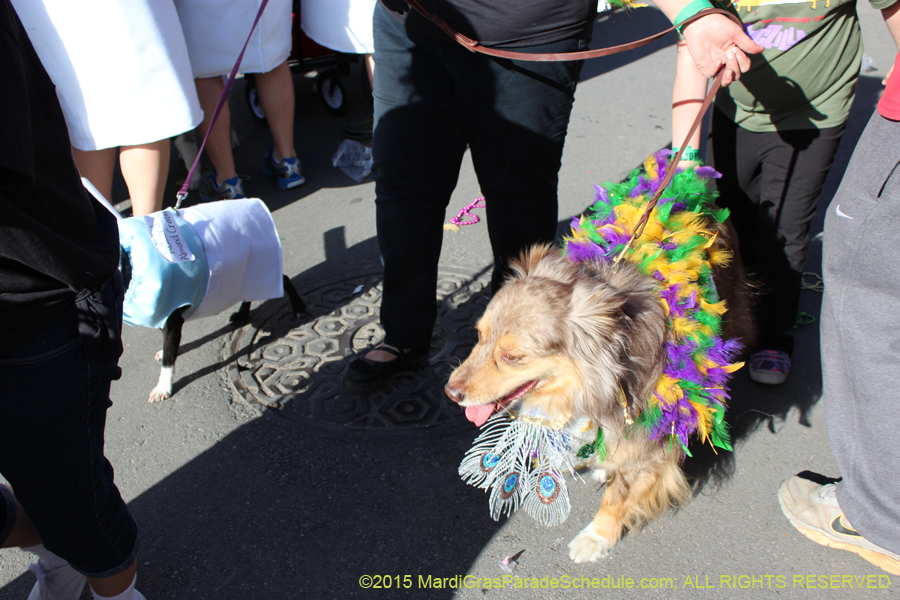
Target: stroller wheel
(252,96)
(333,93)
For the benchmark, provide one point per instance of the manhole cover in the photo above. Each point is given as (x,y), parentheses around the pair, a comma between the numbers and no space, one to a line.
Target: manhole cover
(295,368)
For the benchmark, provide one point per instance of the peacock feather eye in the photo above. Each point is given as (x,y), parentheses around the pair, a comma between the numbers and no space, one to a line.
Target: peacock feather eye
(547,488)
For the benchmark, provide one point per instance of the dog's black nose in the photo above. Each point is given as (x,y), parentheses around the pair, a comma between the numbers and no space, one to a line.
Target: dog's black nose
(453,393)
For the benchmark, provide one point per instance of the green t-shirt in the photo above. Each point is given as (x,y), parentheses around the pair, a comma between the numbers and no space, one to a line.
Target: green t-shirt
(806,76)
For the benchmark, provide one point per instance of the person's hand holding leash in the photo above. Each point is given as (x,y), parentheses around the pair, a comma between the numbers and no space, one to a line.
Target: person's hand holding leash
(713,41)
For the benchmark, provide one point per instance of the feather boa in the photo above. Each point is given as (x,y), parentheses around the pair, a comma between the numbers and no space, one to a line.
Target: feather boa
(677,249)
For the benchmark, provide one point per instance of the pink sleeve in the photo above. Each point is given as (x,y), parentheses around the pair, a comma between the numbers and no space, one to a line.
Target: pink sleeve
(889,105)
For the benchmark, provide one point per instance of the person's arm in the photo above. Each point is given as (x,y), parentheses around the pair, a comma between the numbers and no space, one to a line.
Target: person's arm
(687,98)
(713,40)
(891,17)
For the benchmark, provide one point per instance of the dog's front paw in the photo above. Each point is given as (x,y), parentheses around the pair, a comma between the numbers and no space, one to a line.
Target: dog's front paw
(163,387)
(158,394)
(599,475)
(588,546)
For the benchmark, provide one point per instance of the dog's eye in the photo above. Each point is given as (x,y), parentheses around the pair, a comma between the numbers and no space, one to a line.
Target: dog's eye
(510,358)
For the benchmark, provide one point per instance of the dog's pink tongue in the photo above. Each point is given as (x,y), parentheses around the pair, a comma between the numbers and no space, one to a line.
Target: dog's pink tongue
(479,414)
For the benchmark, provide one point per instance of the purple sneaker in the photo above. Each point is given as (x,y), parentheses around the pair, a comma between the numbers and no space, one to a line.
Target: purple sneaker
(770,367)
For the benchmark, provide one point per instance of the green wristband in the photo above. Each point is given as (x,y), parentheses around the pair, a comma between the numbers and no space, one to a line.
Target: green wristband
(689,11)
(690,153)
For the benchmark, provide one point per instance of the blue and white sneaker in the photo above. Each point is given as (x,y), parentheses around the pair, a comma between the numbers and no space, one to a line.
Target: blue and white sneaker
(211,190)
(770,367)
(287,172)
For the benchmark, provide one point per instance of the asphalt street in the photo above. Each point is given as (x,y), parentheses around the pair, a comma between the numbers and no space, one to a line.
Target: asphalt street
(234,503)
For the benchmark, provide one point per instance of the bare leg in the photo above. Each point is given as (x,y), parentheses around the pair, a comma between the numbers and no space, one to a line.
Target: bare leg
(23,533)
(114,585)
(276,94)
(370,69)
(145,169)
(377,355)
(97,166)
(218,146)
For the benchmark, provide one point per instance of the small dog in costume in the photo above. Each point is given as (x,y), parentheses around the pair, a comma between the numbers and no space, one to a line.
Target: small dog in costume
(197,262)
(609,354)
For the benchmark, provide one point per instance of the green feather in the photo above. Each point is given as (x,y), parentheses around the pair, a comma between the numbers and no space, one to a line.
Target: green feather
(720,215)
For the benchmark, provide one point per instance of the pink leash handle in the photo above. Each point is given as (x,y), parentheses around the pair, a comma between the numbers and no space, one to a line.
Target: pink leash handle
(183,192)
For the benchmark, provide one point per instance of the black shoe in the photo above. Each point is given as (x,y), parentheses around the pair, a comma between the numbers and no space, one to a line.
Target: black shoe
(367,371)
(361,130)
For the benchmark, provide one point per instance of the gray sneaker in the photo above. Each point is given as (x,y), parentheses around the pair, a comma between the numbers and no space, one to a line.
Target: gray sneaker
(813,509)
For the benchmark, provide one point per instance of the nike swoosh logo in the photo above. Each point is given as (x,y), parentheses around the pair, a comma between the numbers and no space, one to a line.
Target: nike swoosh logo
(840,213)
(837,525)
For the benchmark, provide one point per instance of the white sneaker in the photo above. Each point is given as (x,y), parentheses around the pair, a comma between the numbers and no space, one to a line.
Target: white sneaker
(813,509)
(61,583)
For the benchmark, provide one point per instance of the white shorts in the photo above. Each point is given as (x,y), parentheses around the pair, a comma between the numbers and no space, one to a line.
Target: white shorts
(215,32)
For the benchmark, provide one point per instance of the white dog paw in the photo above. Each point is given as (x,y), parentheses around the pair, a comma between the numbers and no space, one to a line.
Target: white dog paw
(599,475)
(163,387)
(158,394)
(588,546)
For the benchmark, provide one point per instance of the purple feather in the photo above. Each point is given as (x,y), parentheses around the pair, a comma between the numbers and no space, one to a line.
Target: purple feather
(670,295)
(584,250)
(707,173)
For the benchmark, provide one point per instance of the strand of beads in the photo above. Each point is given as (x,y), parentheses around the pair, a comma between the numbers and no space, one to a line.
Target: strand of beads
(465,213)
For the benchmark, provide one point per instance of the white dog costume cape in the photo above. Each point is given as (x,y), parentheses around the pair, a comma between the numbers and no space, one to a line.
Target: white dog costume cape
(208,257)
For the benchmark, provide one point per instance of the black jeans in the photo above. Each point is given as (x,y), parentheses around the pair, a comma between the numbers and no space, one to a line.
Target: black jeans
(771,184)
(53,402)
(433,98)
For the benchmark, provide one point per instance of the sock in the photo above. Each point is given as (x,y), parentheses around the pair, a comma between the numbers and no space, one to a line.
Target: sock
(129,594)
(47,559)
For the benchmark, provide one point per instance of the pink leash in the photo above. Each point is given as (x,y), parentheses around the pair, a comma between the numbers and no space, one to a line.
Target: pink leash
(183,192)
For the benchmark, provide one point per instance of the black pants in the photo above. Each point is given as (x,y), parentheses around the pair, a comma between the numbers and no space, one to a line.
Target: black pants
(433,98)
(53,405)
(771,183)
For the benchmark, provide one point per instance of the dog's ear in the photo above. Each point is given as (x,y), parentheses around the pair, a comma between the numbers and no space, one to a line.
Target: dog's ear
(618,329)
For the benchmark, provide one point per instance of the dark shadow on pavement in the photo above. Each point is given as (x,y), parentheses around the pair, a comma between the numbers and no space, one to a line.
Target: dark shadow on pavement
(623,26)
